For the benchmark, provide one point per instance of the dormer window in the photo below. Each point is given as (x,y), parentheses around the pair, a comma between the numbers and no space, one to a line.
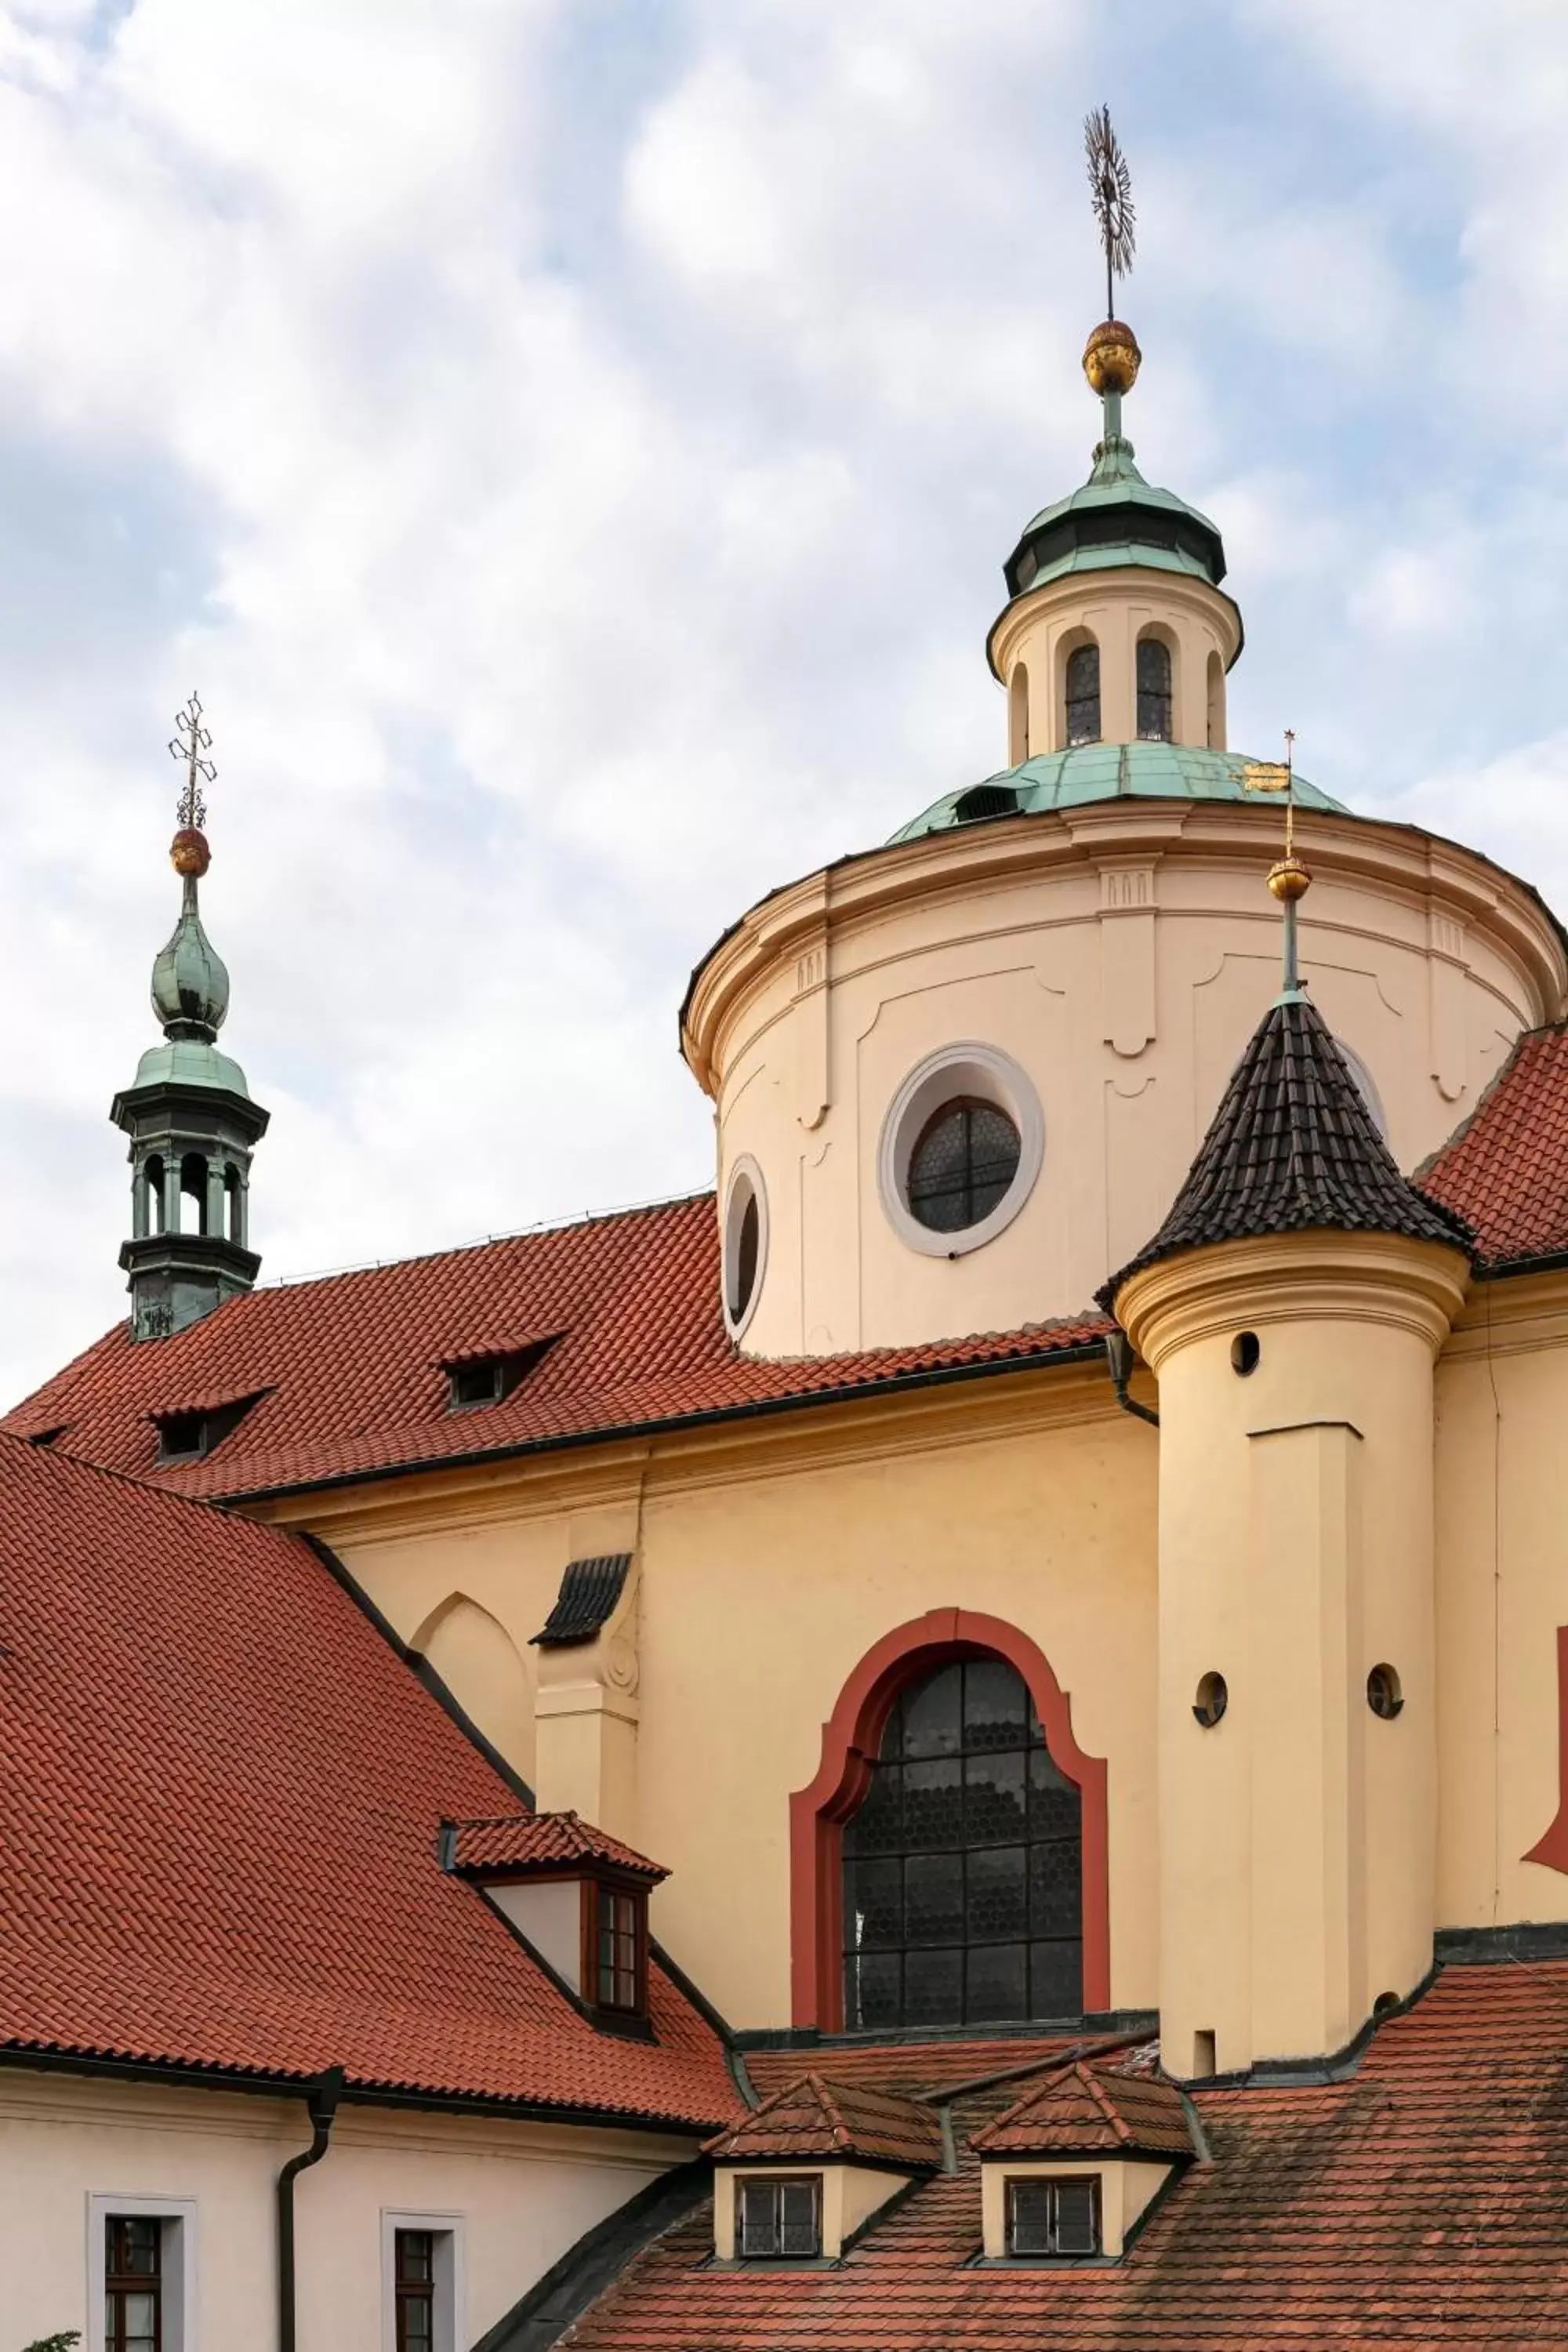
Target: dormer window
(779,2220)
(577,1895)
(1049,2217)
(190,1435)
(487,1378)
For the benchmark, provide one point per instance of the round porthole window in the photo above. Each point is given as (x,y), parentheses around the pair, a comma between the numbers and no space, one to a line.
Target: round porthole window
(1212,1698)
(1384,1695)
(961,1148)
(745,1244)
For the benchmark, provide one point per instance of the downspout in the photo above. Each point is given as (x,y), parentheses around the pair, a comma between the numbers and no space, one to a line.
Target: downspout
(1118,1364)
(322,2106)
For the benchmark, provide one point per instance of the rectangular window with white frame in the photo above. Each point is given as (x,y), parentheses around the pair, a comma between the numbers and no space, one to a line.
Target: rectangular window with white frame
(423,2285)
(142,2274)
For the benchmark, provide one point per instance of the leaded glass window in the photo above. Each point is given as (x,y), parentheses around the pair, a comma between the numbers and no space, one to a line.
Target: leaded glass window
(133,2284)
(1153,691)
(963,1866)
(963,1164)
(1083,695)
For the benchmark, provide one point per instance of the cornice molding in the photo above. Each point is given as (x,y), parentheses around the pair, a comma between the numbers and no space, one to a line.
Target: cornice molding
(1130,584)
(1315,1277)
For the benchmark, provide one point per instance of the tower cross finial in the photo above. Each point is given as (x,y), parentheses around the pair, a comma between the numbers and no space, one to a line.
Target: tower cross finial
(190,742)
(1112,183)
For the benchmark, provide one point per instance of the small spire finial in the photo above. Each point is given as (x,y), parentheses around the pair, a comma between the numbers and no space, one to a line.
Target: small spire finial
(190,743)
(1288,878)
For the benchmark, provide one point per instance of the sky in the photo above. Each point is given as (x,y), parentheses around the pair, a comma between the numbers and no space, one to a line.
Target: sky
(571,445)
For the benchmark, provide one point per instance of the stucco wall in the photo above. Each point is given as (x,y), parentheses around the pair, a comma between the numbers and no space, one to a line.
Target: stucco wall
(770,1561)
(1121,954)
(522,2193)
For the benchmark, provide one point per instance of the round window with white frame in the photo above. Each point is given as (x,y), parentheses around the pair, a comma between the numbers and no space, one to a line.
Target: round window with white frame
(961,1148)
(745,1244)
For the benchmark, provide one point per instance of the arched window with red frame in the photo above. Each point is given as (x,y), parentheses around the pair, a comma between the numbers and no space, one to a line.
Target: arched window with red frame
(949,1861)
(963,1897)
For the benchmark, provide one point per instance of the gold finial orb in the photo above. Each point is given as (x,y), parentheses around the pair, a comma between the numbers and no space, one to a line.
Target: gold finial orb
(1289,879)
(1111,358)
(188,852)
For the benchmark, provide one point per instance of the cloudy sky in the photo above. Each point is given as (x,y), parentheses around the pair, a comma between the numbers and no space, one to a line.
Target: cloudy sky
(572,445)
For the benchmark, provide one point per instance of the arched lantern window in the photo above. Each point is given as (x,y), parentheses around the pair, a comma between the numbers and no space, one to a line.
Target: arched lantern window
(1153,691)
(962,1896)
(1083,695)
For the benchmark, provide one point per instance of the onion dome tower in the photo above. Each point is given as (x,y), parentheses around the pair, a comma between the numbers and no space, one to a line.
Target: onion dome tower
(189,1116)
(1292,1305)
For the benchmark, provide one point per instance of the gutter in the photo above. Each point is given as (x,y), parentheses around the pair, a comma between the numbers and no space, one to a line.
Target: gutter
(1078,1351)
(1118,1364)
(322,2106)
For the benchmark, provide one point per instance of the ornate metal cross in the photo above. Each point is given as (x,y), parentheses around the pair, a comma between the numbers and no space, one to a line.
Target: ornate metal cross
(190,742)
(1112,183)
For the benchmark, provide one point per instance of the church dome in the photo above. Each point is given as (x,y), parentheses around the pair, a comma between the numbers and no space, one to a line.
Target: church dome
(1108,772)
(1115,517)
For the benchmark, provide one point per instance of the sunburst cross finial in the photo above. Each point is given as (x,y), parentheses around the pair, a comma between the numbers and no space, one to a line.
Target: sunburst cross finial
(191,743)
(1111,184)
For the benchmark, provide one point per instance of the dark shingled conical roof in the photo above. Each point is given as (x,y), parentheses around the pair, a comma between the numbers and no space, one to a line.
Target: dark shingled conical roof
(1292,1145)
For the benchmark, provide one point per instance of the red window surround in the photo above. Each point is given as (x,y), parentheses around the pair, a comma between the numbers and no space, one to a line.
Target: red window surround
(849,1742)
(1551,1850)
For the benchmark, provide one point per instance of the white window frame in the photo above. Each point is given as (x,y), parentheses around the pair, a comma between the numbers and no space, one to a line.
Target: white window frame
(181,2306)
(744,1182)
(987,1075)
(451,2276)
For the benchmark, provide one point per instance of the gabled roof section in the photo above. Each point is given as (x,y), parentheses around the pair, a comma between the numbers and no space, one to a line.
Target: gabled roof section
(1091,2110)
(352,1364)
(836,2122)
(288,1913)
(1505,1171)
(514,1845)
(1292,1146)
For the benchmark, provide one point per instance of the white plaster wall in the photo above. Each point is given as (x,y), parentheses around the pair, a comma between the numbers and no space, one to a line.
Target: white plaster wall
(521,2194)
(549,1913)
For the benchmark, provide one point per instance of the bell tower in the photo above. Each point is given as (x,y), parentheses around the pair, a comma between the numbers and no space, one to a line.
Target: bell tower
(189,1116)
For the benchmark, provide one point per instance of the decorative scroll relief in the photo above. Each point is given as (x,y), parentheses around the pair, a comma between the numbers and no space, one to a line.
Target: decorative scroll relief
(813,1096)
(1448,977)
(1127,956)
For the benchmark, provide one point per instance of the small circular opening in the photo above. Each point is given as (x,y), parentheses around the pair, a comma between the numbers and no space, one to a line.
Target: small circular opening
(1212,1700)
(745,1239)
(1384,1695)
(1245,1350)
(1383,2003)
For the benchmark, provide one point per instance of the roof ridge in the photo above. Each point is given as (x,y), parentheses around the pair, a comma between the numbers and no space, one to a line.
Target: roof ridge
(1089,2077)
(486,1240)
(830,2107)
(212,1505)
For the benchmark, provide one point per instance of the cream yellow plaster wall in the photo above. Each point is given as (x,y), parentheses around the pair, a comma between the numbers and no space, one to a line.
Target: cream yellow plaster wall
(1298,1834)
(772,1558)
(520,2194)
(1113,610)
(850,2194)
(1502,1571)
(1120,954)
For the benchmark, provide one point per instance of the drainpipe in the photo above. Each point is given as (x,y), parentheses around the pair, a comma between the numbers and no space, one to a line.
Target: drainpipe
(321,2106)
(1119,1363)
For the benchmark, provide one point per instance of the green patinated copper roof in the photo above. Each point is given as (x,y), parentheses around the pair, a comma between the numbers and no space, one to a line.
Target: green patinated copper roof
(190,979)
(190,1061)
(1115,519)
(1108,772)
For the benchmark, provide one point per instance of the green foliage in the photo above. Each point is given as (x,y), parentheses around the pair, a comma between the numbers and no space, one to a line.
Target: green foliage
(63,2342)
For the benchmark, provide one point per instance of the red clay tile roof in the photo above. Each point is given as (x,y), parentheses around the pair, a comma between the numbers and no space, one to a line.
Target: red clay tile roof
(932,2067)
(1091,2109)
(518,1842)
(352,1363)
(1506,1170)
(1422,2201)
(222,1794)
(817,2117)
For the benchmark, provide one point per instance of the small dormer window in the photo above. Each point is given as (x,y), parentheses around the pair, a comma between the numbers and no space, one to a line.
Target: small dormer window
(191,1436)
(1053,2217)
(618,1943)
(779,2220)
(475,1380)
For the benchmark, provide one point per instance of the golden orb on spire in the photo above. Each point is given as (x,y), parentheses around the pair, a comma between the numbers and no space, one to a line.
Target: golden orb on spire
(1111,358)
(1290,880)
(188,852)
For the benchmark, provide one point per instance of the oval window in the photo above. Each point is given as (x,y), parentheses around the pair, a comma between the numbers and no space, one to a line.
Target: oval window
(964,1160)
(745,1244)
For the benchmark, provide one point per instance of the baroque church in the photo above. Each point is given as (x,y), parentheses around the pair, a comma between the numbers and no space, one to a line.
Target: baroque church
(962,1739)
